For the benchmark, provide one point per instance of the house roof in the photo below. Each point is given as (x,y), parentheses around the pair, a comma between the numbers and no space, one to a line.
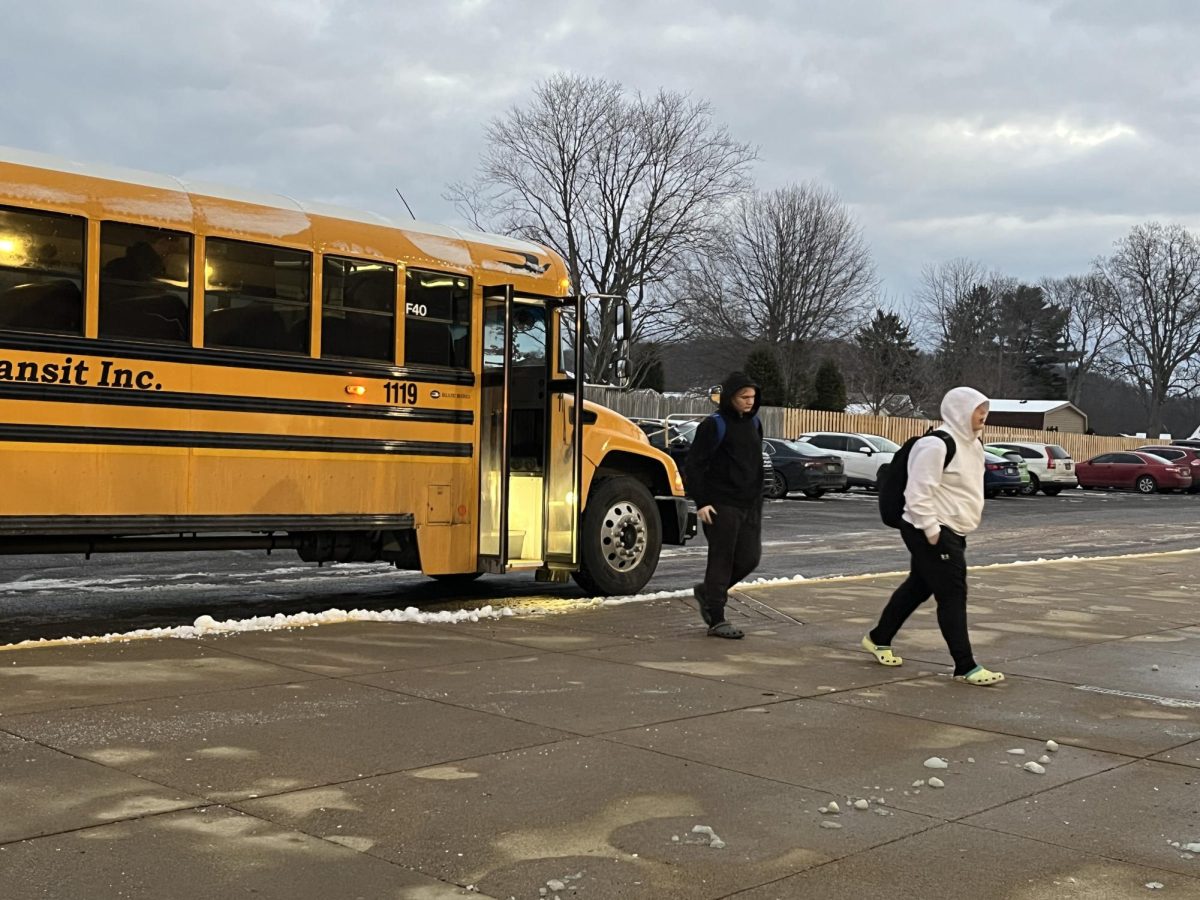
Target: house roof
(1030,406)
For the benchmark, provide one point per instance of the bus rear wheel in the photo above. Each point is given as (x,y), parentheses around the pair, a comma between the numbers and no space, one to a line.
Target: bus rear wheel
(620,539)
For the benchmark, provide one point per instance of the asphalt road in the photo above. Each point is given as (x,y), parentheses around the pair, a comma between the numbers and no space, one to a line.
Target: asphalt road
(59,596)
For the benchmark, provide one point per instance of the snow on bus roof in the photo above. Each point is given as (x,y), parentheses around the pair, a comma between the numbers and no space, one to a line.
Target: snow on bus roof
(444,235)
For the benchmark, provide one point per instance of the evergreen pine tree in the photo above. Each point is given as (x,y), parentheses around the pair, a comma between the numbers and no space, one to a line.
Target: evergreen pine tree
(829,388)
(761,366)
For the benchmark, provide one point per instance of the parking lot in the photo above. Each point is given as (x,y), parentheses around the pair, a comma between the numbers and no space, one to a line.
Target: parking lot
(57,596)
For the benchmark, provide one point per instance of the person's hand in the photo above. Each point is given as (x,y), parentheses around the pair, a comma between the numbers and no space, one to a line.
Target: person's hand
(933,538)
(706,514)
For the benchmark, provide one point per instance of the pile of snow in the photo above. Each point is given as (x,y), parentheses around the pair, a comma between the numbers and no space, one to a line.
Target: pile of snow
(206,626)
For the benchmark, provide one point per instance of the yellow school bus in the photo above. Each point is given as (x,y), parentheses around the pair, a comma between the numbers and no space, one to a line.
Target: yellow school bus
(184,366)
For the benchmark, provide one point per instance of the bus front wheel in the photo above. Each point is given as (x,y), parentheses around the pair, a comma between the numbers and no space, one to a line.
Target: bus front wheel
(621,538)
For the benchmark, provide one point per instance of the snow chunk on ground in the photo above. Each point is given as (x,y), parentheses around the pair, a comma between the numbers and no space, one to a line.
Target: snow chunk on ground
(1016,751)
(1035,768)
(936,762)
(936,782)
(713,841)
(1051,746)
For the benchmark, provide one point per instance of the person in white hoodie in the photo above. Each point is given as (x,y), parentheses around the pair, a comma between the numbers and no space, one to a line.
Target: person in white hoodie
(942,505)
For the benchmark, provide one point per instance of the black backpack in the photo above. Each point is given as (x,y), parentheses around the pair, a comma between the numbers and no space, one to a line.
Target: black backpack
(892,478)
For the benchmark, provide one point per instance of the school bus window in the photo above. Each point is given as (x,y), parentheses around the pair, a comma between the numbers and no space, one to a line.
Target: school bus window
(145,283)
(41,271)
(256,297)
(437,319)
(358,309)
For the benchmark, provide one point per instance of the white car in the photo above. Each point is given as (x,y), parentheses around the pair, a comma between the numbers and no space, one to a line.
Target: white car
(862,454)
(1051,468)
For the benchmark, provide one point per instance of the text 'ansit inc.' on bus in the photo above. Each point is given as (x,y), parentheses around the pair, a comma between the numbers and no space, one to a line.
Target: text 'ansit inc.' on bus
(190,367)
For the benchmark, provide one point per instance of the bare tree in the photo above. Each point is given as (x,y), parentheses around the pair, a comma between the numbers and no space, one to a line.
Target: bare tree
(620,185)
(791,267)
(943,286)
(1153,277)
(1091,331)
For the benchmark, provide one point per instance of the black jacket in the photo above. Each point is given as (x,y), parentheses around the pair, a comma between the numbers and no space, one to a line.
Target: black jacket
(729,473)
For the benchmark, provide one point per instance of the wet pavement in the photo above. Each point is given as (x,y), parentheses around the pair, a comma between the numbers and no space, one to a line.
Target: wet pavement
(575,753)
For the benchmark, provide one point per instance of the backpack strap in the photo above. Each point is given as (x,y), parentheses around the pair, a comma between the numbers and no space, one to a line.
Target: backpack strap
(948,440)
(720,423)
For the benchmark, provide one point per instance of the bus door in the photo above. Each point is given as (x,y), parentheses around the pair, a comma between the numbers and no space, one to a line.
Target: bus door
(530,453)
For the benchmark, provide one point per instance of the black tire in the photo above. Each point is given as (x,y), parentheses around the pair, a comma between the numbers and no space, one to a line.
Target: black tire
(1051,491)
(1028,490)
(620,539)
(989,495)
(778,488)
(1146,484)
(814,494)
(457,577)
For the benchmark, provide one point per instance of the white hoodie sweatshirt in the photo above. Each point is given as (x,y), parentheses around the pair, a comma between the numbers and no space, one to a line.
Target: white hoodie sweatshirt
(953,497)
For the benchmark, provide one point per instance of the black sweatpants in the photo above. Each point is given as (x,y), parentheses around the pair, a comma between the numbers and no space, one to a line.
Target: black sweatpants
(941,570)
(734,549)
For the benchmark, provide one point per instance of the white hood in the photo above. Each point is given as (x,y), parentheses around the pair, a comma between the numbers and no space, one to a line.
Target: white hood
(958,406)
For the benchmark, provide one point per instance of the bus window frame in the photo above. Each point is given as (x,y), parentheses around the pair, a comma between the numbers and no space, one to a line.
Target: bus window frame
(317,347)
(474,292)
(86,295)
(312,304)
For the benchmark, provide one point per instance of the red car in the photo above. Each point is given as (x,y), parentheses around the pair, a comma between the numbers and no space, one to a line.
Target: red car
(1136,469)
(1181,456)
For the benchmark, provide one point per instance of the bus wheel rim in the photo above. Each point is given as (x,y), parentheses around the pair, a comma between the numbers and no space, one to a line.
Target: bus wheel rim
(623,537)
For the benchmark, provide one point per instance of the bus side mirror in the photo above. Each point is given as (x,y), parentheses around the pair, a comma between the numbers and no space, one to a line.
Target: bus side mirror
(617,317)
(621,365)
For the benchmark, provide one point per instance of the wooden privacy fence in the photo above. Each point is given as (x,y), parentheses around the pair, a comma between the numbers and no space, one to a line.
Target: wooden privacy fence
(791,423)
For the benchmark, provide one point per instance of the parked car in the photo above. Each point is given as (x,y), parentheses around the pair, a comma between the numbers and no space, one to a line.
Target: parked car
(1189,456)
(1187,442)
(803,467)
(1139,471)
(862,454)
(668,437)
(1050,466)
(999,474)
(1022,467)
(674,436)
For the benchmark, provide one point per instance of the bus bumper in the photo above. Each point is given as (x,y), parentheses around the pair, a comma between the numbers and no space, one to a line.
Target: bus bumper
(678,519)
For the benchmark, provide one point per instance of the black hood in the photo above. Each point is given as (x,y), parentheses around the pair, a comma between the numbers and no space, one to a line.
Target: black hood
(733,383)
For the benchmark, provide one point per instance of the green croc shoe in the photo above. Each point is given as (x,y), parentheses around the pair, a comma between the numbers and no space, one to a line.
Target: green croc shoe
(981,676)
(884,655)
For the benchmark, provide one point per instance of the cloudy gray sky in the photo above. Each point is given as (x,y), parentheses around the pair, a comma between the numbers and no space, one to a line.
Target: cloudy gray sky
(1025,135)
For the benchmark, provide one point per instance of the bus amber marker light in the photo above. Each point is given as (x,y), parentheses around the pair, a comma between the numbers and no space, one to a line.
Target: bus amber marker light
(356,389)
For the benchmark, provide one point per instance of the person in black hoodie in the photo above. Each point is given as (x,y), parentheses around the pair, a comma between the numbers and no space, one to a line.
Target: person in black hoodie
(724,476)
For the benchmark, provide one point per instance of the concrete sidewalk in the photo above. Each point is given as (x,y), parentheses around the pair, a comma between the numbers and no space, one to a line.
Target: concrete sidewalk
(575,754)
